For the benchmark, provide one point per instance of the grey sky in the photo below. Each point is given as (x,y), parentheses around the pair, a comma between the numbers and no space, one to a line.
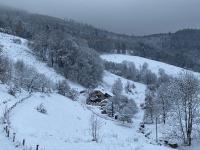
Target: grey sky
(123,16)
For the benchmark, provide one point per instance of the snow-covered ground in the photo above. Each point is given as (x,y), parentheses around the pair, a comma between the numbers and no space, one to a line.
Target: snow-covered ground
(154,66)
(67,126)
(67,123)
(6,101)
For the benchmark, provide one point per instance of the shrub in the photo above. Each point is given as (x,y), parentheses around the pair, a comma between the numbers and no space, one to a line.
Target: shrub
(40,108)
(17,41)
(63,88)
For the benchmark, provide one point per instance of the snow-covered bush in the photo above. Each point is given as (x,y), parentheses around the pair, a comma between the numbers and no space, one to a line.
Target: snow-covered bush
(129,87)
(41,108)
(29,79)
(72,94)
(5,69)
(121,106)
(12,90)
(17,41)
(63,88)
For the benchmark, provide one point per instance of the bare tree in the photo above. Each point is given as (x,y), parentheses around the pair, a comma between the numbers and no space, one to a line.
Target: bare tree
(95,126)
(150,104)
(117,87)
(185,94)
(163,101)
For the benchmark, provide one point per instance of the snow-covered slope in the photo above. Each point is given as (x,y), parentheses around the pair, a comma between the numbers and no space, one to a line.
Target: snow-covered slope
(154,66)
(67,123)
(67,126)
(6,101)
(21,51)
(109,79)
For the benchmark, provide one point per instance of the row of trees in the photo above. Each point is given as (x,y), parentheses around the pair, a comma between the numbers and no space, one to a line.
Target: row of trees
(176,103)
(19,76)
(129,71)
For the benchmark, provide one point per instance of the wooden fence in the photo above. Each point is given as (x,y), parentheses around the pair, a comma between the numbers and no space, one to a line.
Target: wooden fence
(12,135)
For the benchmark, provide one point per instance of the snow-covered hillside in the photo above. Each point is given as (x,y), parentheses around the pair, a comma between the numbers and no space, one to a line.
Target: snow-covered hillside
(154,66)
(7,101)
(15,52)
(67,123)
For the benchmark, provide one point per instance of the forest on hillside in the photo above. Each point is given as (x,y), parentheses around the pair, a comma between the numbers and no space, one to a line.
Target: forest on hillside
(180,48)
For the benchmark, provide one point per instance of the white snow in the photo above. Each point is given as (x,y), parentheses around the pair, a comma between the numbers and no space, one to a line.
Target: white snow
(66,126)
(6,101)
(154,66)
(67,123)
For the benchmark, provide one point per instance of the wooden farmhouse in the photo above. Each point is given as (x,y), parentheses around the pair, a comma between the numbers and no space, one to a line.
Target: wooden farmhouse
(98,96)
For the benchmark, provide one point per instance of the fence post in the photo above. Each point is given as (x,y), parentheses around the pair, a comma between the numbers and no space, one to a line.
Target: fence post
(37,147)
(14,137)
(156,129)
(6,129)
(23,142)
(8,133)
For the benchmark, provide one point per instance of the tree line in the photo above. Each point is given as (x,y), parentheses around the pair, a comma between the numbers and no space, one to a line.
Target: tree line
(129,71)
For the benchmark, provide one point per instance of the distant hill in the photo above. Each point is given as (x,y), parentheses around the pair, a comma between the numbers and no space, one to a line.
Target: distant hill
(181,48)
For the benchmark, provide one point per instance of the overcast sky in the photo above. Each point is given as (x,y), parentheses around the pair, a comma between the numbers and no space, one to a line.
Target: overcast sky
(136,17)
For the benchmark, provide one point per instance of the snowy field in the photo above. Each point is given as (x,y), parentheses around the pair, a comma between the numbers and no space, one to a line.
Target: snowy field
(154,66)
(67,125)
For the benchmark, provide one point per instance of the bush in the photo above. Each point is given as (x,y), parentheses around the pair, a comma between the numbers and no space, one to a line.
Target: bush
(63,88)
(129,87)
(72,94)
(5,69)
(17,41)
(40,108)
(122,106)
(29,79)
(12,91)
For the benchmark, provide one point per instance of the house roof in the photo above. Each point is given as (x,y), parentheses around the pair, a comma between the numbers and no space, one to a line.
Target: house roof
(103,91)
